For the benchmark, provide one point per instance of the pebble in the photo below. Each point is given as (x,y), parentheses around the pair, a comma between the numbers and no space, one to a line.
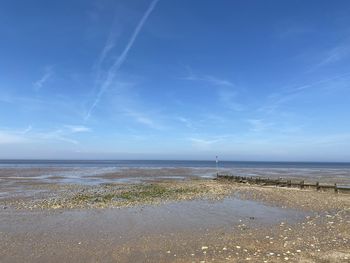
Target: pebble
(204,247)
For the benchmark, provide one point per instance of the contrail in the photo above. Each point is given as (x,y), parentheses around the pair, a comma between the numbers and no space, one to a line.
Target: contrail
(119,62)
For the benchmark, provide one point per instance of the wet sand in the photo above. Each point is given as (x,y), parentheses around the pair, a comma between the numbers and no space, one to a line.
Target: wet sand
(192,220)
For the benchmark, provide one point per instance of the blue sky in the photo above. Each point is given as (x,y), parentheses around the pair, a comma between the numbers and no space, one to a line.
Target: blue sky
(127,79)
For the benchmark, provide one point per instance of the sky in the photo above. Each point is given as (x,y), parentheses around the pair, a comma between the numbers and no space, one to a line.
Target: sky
(175,79)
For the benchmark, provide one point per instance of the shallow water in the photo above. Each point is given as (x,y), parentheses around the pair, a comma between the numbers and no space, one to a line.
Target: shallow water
(172,216)
(94,235)
(20,180)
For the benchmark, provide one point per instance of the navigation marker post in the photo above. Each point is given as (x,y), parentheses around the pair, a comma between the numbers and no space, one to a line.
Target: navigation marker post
(217,165)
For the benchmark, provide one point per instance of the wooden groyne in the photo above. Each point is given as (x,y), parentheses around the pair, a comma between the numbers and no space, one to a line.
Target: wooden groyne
(284,183)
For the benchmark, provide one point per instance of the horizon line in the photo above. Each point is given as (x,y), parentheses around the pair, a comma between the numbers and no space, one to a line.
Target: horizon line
(174,160)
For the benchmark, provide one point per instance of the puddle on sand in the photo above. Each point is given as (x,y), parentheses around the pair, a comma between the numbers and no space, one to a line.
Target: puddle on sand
(89,235)
(151,219)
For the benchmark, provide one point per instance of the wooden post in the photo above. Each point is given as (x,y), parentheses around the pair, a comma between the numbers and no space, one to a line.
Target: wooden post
(317,186)
(335,188)
(302,184)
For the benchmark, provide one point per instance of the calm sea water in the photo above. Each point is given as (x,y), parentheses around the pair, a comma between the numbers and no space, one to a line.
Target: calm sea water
(18,175)
(172,164)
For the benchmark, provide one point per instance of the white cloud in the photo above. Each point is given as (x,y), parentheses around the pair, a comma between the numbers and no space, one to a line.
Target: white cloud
(15,136)
(112,71)
(142,118)
(228,99)
(56,135)
(334,55)
(188,123)
(225,89)
(38,85)
(277,99)
(8,137)
(204,144)
(27,130)
(207,78)
(258,125)
(77,128)
(27,135)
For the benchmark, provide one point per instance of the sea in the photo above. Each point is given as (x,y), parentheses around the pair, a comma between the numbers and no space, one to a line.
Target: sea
(172,164)
(133,171)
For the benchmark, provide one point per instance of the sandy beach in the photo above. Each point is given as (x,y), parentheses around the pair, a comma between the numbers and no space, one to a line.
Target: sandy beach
(170,220)
(162,131)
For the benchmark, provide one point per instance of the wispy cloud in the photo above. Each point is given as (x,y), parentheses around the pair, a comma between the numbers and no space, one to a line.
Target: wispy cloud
(27,130)
(226,90)
(211,80)
(57,135)
(276,100)
(228,99)
(48,72)
(191,76)
(290,29)
(334,55)
(258,125)
(77,128)
(330,56)
(10,137)
(204,143)
(142,118)
(111,73)
(15,136)
(187,122)
(29,135)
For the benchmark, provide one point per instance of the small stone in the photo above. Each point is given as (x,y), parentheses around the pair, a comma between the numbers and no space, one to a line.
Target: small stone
(204,247)
(238,247)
